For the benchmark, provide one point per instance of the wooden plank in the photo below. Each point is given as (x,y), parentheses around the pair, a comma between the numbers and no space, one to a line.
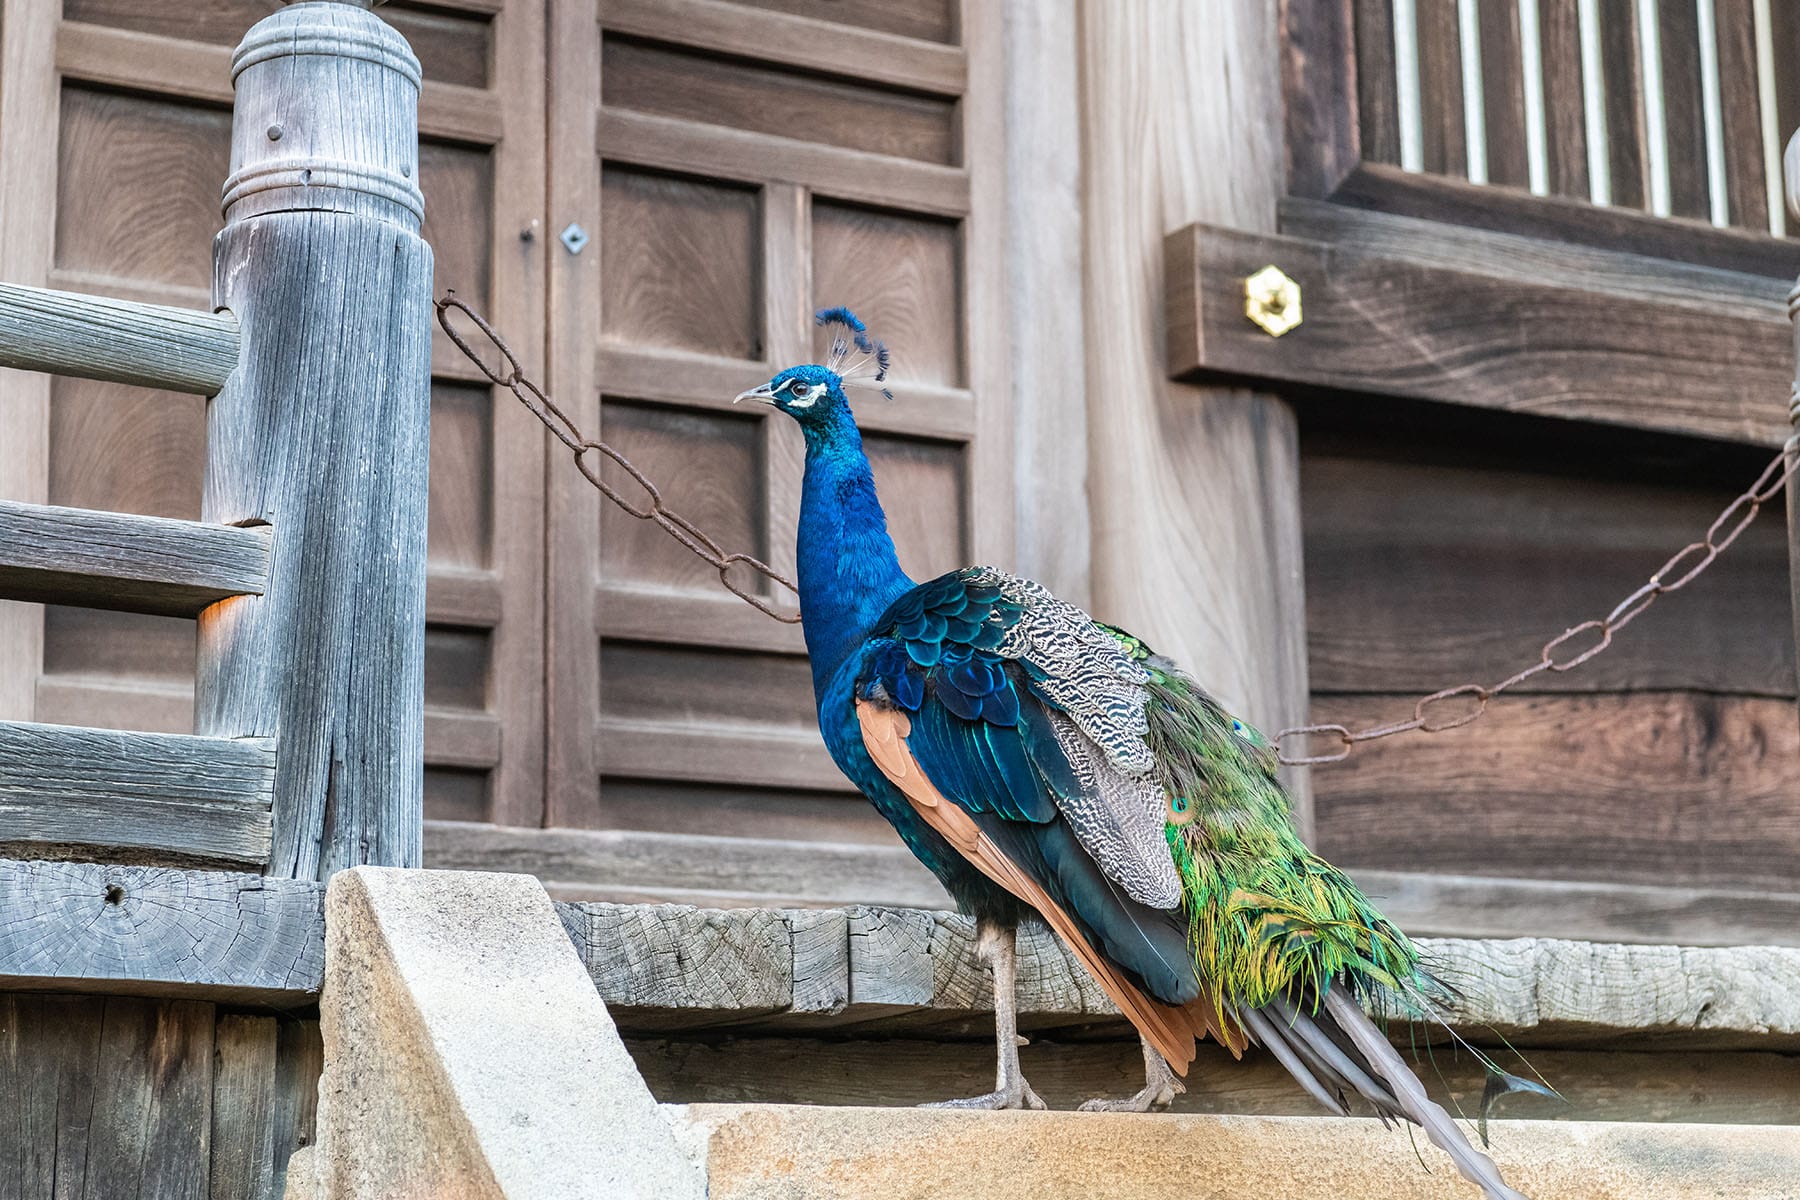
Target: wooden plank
(691,619)
(324,432)
(777,754)
(1684,119)
(462,739)
(243,1107)
(158,931)
(1459,202)
(1193,494)
(174,794)
(613,864)
(459,597)
(173,66)
(1446,131)
(153,1120)
(299,1062)
(1377,94)
(1503,92)
(1708,1087)
(1670,788)
(861,54)
(677,145)
(1621,67)
(1565,114)
(1510,340)
(1485,906)
(96,337)
(1318,85)
(1739,90)
(55,555)
(51,1072)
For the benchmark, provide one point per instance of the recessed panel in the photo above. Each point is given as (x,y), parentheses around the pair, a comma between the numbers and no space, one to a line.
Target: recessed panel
(138,184)
(454,794)
(456,667)
(778,99)
(88,641)
(922,489)
(462,476)
(680,264)
(458,182)
(902,275)
(930,20)
(708,467)
(126,449)
(705,686)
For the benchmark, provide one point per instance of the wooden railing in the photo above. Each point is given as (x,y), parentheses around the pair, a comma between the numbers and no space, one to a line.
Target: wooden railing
(1672,107)
(306,574)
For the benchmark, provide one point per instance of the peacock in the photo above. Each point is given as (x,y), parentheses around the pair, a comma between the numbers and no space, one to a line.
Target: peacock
(1039,762)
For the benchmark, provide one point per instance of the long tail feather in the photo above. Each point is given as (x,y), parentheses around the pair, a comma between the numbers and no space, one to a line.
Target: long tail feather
(1334,1056)
(1271,1035)
(1419,1108)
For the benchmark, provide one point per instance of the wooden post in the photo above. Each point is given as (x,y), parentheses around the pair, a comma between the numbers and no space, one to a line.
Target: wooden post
(322,435)
(1791,165)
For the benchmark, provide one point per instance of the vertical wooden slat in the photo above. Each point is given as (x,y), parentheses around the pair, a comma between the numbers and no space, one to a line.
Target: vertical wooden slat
(1441,90)
(1622,70)
(152,1126)
(243,1107)
(29,104)
(1791,174)
(1678,36)
(1503,93)
(516,690)
(1741,114)
(1318,83)
(299,1061)
(1565,120)
(572,567)
(1376,84)
(988,464)
(50,1074)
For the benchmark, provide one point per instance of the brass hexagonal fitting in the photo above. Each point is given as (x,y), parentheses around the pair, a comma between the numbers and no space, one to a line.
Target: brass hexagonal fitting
(1272,300)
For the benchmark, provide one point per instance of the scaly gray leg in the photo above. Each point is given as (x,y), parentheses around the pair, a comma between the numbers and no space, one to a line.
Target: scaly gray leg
(996,945)
(1161,1086)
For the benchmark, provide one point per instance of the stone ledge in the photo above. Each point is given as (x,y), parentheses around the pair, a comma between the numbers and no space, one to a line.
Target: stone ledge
(774,1152)
(663,968)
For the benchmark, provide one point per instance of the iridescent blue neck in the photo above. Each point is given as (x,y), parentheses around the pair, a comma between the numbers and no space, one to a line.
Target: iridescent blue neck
(848,571)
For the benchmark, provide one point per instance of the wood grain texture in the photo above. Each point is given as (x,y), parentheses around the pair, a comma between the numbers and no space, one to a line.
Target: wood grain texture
(1561,345)
(1446,132)
(1377,101)
(1741,113)
(1715,1087)
(1503,92)
(1672,788)
(243,1107)
(94,337)
(299,1061)
(135,564)
(323,433)
(169,794)
(149,1133)
(1684,120)
(158,931)
(1193,493)
(1621,66)
(1565,117)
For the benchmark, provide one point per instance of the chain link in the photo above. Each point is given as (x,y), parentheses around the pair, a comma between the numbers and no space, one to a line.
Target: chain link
(585,449)
(1575,645)
(1425,719)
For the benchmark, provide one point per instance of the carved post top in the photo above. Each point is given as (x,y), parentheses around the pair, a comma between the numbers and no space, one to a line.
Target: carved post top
(326,117)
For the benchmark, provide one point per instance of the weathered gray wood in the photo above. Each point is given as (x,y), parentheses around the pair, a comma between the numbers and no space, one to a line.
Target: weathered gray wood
(159,931)
(632,866)
(51,1074)
(299,1061)
(1791,163)
(910,970)
(199,797)
(97,337)
(54,555)
(323,432)
(243,1107)
(1712,1087)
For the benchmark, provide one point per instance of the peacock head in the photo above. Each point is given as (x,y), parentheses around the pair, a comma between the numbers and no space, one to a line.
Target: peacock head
(813,393)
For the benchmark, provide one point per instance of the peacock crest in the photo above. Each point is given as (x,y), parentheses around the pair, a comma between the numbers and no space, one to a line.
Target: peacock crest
(851,337)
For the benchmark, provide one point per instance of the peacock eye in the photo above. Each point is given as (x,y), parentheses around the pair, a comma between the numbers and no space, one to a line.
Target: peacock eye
(800,390)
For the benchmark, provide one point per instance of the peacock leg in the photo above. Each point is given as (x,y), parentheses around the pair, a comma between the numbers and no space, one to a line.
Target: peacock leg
(1161,1086)
(996,944)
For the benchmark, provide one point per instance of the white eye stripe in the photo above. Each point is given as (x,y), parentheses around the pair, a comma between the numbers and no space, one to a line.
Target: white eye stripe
(808,402)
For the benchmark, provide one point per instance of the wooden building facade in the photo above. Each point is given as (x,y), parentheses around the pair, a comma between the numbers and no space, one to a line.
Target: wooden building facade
(1544,264)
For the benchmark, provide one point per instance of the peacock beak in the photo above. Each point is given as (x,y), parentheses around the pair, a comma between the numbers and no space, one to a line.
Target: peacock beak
(761,391)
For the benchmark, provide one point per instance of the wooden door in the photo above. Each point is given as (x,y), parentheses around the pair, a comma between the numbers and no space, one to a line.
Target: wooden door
(737,167)
(114,134)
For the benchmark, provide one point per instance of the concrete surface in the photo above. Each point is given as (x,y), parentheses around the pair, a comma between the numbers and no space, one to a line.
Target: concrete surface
(769,1152)
(467,1053)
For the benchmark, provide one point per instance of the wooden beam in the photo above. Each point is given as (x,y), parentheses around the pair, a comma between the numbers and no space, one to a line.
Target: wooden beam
(170,794)
(121,561)
(96,337)
(1560,338)
(156,931)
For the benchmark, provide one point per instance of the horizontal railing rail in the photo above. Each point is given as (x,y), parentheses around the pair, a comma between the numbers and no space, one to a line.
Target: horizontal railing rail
(121,341)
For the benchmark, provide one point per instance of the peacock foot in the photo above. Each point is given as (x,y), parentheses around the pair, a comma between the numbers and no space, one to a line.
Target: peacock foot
(1019,1095)
(1161,1086)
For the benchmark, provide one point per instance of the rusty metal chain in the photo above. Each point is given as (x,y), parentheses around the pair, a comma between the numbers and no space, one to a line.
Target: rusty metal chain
(1733,521)
(584,448)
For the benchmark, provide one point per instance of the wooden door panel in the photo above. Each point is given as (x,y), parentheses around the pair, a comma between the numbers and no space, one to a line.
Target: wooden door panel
(902,274)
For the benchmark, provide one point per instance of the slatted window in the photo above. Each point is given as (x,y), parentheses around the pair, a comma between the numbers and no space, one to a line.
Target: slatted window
(1673,107)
